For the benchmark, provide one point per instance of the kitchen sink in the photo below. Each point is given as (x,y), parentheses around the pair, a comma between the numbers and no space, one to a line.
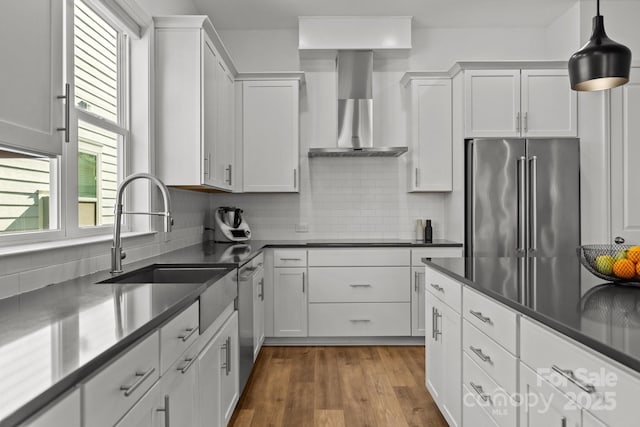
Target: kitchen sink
(169,274)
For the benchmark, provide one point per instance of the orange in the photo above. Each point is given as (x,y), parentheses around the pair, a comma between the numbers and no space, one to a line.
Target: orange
(633,254)
(624,269)
(638,269)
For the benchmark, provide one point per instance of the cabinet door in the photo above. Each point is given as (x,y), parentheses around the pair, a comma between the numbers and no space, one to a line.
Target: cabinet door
(229,377)
(448,323)
(179,405)
(290,302)
(625,157)
(433,351)
(549,106)
(270,136)
(146,412)
(258,312)
(210,173)
(418,303)
(544,405)
(223,153)
(431,135)
(65,412)
(31,75)
(492,103)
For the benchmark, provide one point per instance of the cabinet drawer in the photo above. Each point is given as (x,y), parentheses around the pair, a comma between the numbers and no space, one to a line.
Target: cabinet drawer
(359,257)
(498,403)
(542,349)
(490,317)
(473,411)
(501,365)
(359,284)
(105,402)
(359,319)
(443,287)
(290,258)
(446,252)
(177,335)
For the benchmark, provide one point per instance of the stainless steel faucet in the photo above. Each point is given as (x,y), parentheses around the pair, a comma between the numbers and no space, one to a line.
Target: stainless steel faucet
(116,250)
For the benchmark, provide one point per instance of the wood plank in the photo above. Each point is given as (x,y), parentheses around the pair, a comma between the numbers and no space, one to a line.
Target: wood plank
(338,386)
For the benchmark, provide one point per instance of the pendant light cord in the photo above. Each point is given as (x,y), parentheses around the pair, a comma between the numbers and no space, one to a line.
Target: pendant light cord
(598,7)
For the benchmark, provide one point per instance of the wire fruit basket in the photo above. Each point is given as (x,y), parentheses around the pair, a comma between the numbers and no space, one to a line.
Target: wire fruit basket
(600,261)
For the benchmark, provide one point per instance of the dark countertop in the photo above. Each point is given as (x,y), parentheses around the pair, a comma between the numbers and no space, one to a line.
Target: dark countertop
(564,296)
(54,337)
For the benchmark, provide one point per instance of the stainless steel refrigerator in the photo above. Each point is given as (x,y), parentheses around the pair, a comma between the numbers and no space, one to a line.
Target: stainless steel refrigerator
(523,201)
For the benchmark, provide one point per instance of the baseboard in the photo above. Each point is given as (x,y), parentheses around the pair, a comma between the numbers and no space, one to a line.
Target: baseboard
(342,341)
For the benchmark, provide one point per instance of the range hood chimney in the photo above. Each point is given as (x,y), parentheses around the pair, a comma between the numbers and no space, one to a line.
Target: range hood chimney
(355,109)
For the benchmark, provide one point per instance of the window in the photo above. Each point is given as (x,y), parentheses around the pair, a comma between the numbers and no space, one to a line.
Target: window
(100,91)
(32,199)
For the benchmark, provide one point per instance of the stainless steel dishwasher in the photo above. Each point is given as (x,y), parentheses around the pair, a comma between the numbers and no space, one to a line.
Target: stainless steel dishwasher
(247,293)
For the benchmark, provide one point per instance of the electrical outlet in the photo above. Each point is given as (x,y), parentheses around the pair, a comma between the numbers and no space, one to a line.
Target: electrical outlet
(302,228)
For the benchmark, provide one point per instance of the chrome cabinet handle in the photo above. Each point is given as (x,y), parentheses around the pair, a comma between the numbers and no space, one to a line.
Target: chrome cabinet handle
(415,282)
(478,389)
(190,332)
(533,208)
(190,361)
(437,288)
(205,167)
(228,169)
(359,320)
(480,354)
(167,417)
(290,259)
(417,179)
(228,364)
(517,122)
(303,282)
(438,331)
(261,294)
(526,121)
(360,285)
(569,375)
(479,315)
(142,376)
(67,110)
(295,178)
(433,322)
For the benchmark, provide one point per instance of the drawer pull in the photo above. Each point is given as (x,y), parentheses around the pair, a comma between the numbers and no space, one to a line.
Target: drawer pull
(437,288)
(360,320)
(479,315)
(190,332)
(438,331)
(568,374)
(478,389)
(360,285)
(190,361)
(481,355)
(227,356)
(290,259)
(167,416)
(128,390)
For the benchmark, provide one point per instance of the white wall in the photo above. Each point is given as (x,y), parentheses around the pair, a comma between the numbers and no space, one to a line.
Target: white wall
(563,35)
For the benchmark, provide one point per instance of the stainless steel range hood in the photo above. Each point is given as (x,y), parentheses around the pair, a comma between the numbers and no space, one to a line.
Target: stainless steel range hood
(355,110)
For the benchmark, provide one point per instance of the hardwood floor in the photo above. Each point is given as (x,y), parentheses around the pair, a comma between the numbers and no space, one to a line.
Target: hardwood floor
(337,386)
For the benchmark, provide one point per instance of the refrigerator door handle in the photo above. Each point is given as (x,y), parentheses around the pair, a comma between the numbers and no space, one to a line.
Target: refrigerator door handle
(533,204)
(522,229)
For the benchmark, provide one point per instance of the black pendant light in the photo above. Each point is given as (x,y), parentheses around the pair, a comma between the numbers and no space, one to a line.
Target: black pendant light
(601,63)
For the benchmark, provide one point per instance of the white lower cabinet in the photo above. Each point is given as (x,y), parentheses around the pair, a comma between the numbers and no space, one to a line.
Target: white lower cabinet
(64,412)
(290,302)
(180,393)
(589,420)
(145,413)
(443,355)
(217,373)
(472,413)
(417,302)
(258,311)
(544,405)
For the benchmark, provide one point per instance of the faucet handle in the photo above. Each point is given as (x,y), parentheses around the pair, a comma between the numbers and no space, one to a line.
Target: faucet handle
(123,255)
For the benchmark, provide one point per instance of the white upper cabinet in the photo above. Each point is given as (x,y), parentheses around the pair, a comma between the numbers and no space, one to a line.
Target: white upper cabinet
(492,103)
(431,135)
(515,103)
(270,136)
(31,76)
(194,105)
(549,106)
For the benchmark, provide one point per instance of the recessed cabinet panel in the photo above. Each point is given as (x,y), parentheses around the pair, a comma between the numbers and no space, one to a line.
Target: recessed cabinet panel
(270,136)
(549,106)
(492,99)
(31,75)
(290,302)
(431,135)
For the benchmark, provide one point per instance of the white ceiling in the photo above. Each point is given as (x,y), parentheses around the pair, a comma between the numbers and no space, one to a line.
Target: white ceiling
(277,14)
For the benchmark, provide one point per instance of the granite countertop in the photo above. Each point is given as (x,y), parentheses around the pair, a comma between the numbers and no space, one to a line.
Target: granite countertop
(54,337)
(564,296)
